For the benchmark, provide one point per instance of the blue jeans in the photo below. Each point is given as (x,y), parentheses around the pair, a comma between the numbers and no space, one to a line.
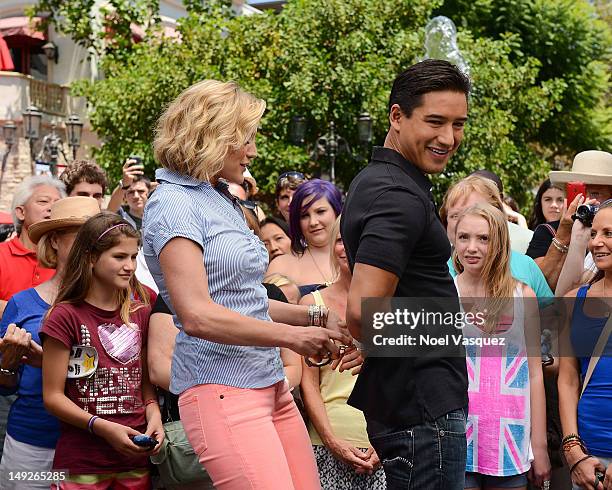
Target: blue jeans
(429,456)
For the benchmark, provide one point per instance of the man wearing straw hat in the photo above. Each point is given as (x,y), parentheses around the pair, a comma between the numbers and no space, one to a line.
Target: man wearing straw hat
(594,169)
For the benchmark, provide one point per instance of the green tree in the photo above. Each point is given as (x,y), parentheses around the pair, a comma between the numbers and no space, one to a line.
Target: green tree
(572,43)
(330,60)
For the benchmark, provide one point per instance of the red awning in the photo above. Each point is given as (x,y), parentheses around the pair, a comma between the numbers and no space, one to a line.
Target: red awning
(6,61)
(21,26)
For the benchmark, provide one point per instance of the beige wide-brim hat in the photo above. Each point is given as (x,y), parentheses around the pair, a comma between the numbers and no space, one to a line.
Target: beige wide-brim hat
(590,167)
(70,211)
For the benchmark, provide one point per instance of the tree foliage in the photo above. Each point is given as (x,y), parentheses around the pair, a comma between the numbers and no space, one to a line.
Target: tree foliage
(330,60)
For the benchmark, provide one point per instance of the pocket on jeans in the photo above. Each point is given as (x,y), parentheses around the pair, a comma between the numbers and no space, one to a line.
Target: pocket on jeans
(396,454)
(192,423)
(453,422)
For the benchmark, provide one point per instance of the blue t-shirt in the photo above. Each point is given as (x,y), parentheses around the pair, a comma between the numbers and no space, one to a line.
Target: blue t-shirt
(523,268)
(594,419)
(28,421)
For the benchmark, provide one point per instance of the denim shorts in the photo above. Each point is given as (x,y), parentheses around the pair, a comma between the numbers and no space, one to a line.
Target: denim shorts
(478,480)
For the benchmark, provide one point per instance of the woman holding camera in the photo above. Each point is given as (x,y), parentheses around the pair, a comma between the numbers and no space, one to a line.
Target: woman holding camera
(586,345)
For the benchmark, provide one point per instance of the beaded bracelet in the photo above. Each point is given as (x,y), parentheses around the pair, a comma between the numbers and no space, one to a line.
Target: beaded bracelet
(91,423)
(579,461)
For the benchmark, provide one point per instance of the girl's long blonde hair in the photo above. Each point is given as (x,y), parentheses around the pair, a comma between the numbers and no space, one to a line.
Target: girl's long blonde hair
(97,235)
(496,275)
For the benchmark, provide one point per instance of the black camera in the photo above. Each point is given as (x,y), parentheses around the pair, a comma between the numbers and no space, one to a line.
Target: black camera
(585,214)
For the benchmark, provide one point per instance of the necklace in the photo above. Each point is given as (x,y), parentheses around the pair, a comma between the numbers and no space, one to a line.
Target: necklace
(318,268)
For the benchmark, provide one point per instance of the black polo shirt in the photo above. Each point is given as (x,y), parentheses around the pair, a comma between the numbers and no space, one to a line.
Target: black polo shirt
(390,221)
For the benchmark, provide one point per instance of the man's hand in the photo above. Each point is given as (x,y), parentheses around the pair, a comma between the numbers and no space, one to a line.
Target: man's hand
(130,170)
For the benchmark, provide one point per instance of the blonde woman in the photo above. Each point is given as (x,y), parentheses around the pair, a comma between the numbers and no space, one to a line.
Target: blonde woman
(345,457)
(507,409)
(234,402)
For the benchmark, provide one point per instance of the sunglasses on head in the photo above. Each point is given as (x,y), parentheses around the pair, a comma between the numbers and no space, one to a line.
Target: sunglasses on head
(293,174)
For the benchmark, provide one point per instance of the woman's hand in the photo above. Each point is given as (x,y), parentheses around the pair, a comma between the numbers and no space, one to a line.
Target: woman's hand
(374,461)
(540,467)
(351,456)
(34,355)
(584,474)
(336,324)
(155,429)
(317,342)
(118,436)
(15,345)
(566,223)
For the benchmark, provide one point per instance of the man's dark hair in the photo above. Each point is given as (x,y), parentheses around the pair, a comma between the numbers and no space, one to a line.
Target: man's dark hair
(142,178)
(83,171)
(424,77)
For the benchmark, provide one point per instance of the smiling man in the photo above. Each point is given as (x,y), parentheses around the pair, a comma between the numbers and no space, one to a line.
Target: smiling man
(414,407)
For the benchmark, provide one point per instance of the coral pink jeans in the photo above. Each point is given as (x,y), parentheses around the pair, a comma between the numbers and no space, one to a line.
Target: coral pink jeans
(249,438)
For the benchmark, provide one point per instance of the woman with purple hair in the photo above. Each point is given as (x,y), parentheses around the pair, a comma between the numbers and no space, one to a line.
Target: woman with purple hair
(315,206)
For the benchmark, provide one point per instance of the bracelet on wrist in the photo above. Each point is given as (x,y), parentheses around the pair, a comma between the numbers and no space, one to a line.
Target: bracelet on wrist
(575,465)
(150,401)
(559,246)
(90,424)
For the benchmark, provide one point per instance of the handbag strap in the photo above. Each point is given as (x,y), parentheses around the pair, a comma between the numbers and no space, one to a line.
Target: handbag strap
(597,352)
(552,231)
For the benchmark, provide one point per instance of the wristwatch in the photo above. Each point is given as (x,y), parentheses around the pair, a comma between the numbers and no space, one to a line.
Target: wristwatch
(8,372)
(123,187)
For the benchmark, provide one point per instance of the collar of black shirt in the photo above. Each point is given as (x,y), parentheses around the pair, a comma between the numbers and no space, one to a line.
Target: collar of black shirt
(387,155)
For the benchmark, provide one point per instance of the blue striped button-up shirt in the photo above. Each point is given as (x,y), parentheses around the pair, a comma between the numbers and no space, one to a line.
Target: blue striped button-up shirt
(235,261)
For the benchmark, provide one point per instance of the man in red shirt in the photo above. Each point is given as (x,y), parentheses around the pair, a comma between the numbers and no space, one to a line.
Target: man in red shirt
(19,267)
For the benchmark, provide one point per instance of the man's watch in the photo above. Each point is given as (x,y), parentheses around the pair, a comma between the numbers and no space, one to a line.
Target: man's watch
(123,187)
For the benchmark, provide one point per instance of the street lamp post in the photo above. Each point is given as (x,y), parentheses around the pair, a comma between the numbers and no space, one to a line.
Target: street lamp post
(331,144)
(8,133)
(74,130)
(32,118)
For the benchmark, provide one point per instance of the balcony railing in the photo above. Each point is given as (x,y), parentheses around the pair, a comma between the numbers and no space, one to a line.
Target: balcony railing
(17,91)
(49,97)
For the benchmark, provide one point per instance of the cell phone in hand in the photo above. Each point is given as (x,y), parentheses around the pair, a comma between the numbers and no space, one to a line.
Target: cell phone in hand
(137,158)
(572,189)
(144,441)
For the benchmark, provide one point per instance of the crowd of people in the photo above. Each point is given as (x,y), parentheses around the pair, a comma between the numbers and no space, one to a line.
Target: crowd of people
(174,336)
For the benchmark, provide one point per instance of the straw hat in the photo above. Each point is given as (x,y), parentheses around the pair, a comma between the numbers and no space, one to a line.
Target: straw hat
(591,167)
(70,211)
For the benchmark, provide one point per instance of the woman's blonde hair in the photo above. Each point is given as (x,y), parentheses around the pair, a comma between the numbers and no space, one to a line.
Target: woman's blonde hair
(333,260)
(202,125)
(46,254)
(465,188)
(498,280)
